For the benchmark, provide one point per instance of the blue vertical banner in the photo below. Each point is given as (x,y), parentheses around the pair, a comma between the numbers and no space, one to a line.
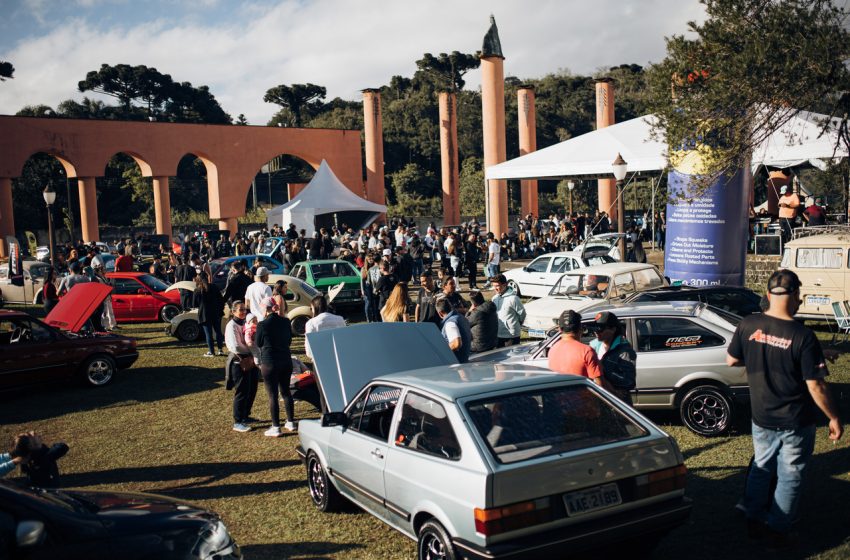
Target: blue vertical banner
(706,242)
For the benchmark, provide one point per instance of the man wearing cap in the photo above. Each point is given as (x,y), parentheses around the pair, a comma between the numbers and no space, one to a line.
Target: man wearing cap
(257,292)
(570,355)
(789,202)
(616,355)
(786,372)
(510,310)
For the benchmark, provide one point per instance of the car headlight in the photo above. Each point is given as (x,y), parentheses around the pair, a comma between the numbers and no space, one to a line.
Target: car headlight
(213,539)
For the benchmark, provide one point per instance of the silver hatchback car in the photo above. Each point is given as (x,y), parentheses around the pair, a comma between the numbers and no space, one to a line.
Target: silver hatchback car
(483,461)
(681,360)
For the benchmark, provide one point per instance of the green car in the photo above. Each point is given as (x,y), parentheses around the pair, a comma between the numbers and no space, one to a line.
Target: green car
(326,274)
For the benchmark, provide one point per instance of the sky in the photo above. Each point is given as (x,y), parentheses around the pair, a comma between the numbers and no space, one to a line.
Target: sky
(240,49)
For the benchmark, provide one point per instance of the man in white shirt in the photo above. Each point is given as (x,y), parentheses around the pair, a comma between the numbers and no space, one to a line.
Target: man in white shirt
(492,268)
(257,292)
(322,320)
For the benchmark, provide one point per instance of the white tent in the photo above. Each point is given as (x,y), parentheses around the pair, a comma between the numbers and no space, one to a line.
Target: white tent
(590,155)
(324,197)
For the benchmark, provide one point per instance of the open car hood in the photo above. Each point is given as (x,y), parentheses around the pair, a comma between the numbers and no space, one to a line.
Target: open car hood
(77,306)
(182,285)
(346,359)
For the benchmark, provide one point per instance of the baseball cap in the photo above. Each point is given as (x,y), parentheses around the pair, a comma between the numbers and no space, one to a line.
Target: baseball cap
(783,282)
(569,320)
(262,271)
(606,319)
(387,252)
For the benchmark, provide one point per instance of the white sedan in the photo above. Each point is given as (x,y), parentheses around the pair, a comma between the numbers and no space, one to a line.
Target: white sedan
(537,278)
(589,287)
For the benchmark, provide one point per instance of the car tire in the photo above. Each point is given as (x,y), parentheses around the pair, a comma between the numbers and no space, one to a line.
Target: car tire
(434,543)
(515,287)
(98,370)
(325,496)
(168,312)
(189,331)
(706,410)
(299,325)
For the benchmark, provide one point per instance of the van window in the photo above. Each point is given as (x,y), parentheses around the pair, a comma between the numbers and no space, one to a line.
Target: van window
(786,258)
(819,257)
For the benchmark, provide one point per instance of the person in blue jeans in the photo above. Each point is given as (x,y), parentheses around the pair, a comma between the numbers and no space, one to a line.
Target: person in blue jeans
(786,371)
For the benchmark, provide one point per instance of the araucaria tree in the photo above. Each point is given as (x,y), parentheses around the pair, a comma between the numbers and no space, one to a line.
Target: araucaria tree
(752,66)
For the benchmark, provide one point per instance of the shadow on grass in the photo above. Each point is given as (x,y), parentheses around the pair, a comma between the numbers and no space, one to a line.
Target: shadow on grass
(145,384)
(162,473)
(304,550)
(229,490)
(717,530)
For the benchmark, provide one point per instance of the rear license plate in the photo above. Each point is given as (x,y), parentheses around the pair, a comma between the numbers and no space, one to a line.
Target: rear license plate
(818,300)
(536,333)
(592,499)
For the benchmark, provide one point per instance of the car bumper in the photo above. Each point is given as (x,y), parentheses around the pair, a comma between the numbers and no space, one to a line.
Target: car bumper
(557,543)
(126,360)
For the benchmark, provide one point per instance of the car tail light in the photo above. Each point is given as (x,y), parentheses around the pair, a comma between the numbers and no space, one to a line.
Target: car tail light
(493,521)
(660,482)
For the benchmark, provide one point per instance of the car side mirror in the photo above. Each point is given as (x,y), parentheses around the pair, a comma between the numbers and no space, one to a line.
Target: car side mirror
(334,419)
(30,533)
(141,291)
(525,269)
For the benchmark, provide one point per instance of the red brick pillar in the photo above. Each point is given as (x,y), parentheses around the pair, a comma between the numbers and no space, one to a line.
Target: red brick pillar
(448,158)
(88,209)
(373,137)
(493,121)
(607,188)
(162,206)
(7,215)
(527,144)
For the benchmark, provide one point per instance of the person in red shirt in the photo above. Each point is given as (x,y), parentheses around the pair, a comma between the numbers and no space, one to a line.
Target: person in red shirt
(124,263)
(569,355)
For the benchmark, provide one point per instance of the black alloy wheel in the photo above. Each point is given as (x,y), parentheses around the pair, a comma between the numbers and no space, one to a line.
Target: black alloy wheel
(322,491)
(434,542)
(706,410)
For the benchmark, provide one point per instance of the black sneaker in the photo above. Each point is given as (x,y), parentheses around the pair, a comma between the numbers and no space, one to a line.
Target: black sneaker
(757,530)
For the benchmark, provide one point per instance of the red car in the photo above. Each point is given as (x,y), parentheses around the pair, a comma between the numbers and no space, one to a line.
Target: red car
(138,298)
(32,352)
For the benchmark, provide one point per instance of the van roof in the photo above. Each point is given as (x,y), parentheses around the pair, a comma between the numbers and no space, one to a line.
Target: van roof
(821,240)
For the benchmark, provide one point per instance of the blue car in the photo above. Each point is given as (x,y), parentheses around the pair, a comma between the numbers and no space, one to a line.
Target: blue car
(221,267)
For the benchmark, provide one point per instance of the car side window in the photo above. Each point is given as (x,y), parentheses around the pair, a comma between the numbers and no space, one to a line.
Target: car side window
(671,333)
(647,279)
(539,265)
(425,427)
(624,283)
(290,296)
(372,413)
(736,302)
(125,286)
(23,331)
(562,264)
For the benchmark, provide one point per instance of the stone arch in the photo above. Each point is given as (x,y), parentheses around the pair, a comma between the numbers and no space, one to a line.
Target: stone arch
(296,171)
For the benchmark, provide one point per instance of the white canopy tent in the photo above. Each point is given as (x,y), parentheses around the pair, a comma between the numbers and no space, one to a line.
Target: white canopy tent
(324,197)
(800,141)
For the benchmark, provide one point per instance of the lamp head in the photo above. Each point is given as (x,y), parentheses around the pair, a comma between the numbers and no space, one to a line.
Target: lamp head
(619,167)
(49,195)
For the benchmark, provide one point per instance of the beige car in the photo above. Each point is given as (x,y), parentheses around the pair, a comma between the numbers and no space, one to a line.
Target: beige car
(821,258)
(298,295)
(30,292)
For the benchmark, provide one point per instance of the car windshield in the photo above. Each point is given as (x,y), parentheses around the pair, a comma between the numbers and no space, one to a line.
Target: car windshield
(308,290)
(268,246)
(38,271)
(590,285)
(332,270)
(547,422)
(153,283)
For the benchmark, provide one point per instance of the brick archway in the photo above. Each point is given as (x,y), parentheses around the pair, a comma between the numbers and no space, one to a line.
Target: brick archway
(232,155)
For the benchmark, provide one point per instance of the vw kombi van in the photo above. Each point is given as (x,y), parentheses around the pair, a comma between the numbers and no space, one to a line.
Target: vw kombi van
(821,258)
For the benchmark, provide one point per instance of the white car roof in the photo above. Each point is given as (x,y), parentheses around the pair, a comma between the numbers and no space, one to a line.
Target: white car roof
(608,269)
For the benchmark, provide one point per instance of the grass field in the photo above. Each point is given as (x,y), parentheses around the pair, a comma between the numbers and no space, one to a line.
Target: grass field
(164,427)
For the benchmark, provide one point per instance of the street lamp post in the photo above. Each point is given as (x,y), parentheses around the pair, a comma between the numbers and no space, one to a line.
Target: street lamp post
(619,167)
(570,186)
(49,199)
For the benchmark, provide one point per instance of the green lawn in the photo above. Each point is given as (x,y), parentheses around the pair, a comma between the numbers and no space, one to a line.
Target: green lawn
(164,427)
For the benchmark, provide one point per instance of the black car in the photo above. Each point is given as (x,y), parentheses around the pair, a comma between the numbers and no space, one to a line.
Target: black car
(736,299)
(38,523)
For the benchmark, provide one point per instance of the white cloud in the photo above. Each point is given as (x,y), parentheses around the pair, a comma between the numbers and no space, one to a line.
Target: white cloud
(345,45)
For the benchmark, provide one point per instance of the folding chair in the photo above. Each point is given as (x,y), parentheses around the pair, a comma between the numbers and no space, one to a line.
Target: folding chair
(842,319)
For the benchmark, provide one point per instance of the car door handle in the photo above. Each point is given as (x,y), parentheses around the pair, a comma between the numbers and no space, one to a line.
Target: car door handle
(376,453)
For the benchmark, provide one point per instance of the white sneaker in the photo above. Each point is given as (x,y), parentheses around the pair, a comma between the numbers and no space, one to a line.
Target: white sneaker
(290,427)
(274,431)
(209,355)
(241,428)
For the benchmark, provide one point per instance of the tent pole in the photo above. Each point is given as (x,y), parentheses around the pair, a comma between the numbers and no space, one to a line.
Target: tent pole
(652,231)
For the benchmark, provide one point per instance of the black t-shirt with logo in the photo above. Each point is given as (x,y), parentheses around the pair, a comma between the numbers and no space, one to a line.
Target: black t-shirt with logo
(779,356)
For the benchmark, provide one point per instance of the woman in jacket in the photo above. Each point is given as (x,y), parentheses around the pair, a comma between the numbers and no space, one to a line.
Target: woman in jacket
(50,296)
(242,379)
(210,311)
(616,356)
(274,336)
(470,251)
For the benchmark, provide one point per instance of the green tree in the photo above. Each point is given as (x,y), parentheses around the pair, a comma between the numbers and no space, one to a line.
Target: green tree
(36,111)
(749,68)
(298,99)
(471,187)
(241,120)
(7,71)
(447,70)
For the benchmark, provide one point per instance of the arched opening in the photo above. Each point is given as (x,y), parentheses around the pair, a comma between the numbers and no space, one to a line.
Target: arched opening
(30,211)
(124,196)
(190,209)
(276,182)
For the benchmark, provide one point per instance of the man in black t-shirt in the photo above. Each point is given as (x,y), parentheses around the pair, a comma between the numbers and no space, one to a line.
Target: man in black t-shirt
(426,312)
(785,370)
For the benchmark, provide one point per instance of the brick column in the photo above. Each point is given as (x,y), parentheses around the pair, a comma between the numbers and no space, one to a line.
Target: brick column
(448,157)
(493,124)
(230,224)
(162,206)
(88,209)
(527,144)
(607,188)
(373,137)
(7,215)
